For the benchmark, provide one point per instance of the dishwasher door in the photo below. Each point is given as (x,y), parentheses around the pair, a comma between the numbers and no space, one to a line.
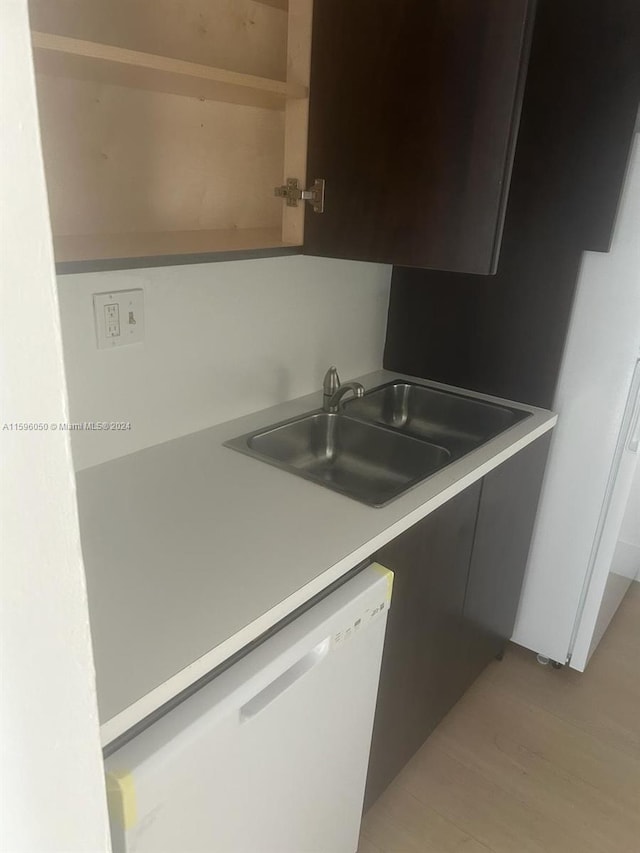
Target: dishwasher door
(271,756)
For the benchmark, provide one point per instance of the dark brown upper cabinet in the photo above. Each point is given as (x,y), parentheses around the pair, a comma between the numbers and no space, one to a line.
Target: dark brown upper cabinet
(505,335)
(168,125)
(414,115)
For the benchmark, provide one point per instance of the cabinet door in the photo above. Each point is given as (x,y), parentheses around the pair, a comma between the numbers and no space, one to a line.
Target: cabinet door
(414,112)
(422,672)
(507,514)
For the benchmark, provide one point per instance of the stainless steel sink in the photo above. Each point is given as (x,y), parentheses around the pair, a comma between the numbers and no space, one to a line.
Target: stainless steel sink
(365,461)
(444,418)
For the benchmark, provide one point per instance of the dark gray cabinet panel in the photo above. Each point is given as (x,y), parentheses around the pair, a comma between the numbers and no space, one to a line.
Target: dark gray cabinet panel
(458,577)
(413,119)
(508,505)
(423,672)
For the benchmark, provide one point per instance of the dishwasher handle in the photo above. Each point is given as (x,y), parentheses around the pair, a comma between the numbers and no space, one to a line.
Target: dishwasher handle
(289,677)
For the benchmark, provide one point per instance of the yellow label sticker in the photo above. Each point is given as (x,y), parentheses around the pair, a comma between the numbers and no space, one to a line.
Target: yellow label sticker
(121,797)
(382,570)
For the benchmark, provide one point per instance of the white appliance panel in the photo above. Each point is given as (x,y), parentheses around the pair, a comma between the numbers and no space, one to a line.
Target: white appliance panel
(271,756)
(602,347)
(605,587)
(627,555)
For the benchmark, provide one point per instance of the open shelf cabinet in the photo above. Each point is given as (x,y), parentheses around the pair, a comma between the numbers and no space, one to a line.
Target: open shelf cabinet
(167,124)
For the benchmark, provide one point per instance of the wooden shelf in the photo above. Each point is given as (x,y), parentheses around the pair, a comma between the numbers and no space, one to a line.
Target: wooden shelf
(90,247)
(277,4)
(60,56)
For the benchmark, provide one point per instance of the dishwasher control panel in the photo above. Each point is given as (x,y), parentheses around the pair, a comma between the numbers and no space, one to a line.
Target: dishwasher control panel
(359,621)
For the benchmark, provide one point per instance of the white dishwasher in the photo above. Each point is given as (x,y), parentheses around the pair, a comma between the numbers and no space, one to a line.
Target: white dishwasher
(270,756)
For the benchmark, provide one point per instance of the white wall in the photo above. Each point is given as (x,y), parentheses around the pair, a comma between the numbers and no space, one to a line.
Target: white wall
(51,786)
(221,340)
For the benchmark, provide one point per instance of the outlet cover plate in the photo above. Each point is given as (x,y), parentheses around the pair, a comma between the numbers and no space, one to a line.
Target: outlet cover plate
(119,317)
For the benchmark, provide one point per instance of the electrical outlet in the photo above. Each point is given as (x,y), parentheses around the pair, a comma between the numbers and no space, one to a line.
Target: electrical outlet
(119,317)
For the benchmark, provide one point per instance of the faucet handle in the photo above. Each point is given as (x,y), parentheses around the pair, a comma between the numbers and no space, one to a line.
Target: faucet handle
(331,382)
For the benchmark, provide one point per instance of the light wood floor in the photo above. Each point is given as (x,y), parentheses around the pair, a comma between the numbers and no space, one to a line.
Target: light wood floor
(531,760)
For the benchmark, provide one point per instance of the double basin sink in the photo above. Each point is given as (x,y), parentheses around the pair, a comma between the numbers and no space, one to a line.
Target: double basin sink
(383,443)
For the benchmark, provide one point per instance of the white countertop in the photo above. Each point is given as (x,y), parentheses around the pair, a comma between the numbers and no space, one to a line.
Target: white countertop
(192,550)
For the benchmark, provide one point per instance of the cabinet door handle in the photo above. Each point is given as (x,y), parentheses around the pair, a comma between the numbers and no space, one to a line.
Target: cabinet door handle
(634,429)
(634,441)
(289,677)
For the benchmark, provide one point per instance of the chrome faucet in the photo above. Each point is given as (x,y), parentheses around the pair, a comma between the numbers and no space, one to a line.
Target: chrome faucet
(333,391)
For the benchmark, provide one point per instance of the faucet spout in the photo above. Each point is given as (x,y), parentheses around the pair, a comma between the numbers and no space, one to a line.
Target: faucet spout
(332,403)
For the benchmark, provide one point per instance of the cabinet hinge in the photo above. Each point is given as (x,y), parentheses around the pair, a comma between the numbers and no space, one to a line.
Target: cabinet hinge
(292,192)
